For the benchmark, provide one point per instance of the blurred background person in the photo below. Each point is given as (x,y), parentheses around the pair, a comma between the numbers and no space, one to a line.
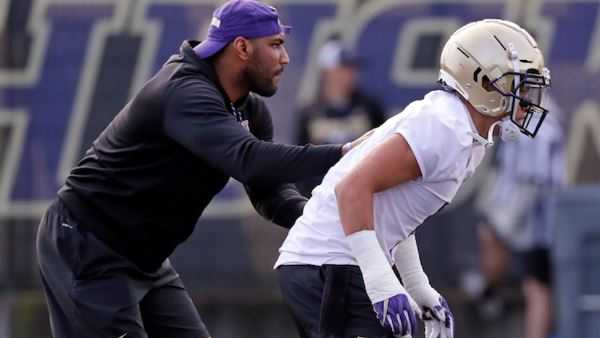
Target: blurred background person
(515,242)
(342,110)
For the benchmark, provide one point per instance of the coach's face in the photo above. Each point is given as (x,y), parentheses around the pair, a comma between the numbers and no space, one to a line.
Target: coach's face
(267,60)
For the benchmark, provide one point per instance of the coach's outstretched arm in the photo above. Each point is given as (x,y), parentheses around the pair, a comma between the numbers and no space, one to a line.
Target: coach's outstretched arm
(389,164)
(196,118)
(281,204)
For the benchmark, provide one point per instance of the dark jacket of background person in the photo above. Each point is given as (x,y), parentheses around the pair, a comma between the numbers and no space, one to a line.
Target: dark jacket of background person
(342,110)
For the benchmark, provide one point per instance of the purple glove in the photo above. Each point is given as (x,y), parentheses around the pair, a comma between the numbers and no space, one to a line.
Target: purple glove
(396,314)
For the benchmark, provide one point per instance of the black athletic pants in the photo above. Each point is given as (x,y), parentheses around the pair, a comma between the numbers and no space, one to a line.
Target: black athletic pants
(329,301)
(92,291)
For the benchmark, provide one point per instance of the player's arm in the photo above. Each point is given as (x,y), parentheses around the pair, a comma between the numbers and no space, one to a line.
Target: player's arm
(436,313)
(389,164)
(196,118)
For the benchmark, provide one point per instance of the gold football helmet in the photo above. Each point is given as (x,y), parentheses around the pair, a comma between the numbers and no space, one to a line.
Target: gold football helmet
(497,67)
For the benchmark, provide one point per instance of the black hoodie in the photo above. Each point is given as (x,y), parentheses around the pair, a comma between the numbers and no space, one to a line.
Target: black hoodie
(150,174)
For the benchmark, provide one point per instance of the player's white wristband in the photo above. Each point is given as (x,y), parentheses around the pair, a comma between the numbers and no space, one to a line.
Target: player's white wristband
(406,258)
(380,281)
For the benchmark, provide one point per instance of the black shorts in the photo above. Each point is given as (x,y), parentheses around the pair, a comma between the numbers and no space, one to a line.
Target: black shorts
(92,291)
(537,265)
(329,301)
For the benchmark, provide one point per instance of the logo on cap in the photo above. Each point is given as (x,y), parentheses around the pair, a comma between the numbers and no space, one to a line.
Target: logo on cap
(215,22)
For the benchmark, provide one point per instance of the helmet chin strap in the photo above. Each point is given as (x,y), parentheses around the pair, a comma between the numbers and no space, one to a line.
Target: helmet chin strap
(508,132)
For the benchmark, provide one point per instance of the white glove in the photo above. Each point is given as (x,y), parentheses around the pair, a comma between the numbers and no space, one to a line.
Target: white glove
(439,321)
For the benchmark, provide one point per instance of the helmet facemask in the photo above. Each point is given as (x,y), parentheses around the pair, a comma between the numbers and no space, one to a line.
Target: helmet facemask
(527,90)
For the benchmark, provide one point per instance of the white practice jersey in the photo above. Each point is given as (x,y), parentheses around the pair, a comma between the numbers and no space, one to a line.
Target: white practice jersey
(439,131)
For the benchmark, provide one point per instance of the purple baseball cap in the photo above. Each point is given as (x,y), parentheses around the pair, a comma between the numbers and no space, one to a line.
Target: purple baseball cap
(246,18)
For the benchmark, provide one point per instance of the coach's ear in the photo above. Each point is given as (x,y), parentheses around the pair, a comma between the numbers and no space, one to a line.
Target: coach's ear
(243,48)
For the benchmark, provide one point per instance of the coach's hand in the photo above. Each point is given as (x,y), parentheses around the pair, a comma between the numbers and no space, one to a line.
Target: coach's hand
(351,145)
(396,314)
(436,314)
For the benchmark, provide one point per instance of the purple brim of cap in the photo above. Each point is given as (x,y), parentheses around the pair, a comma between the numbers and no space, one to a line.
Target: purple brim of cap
(210,47)
(286,29)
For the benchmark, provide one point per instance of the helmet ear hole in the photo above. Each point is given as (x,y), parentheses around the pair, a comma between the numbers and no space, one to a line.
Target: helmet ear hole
(505,104)
(487,84)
